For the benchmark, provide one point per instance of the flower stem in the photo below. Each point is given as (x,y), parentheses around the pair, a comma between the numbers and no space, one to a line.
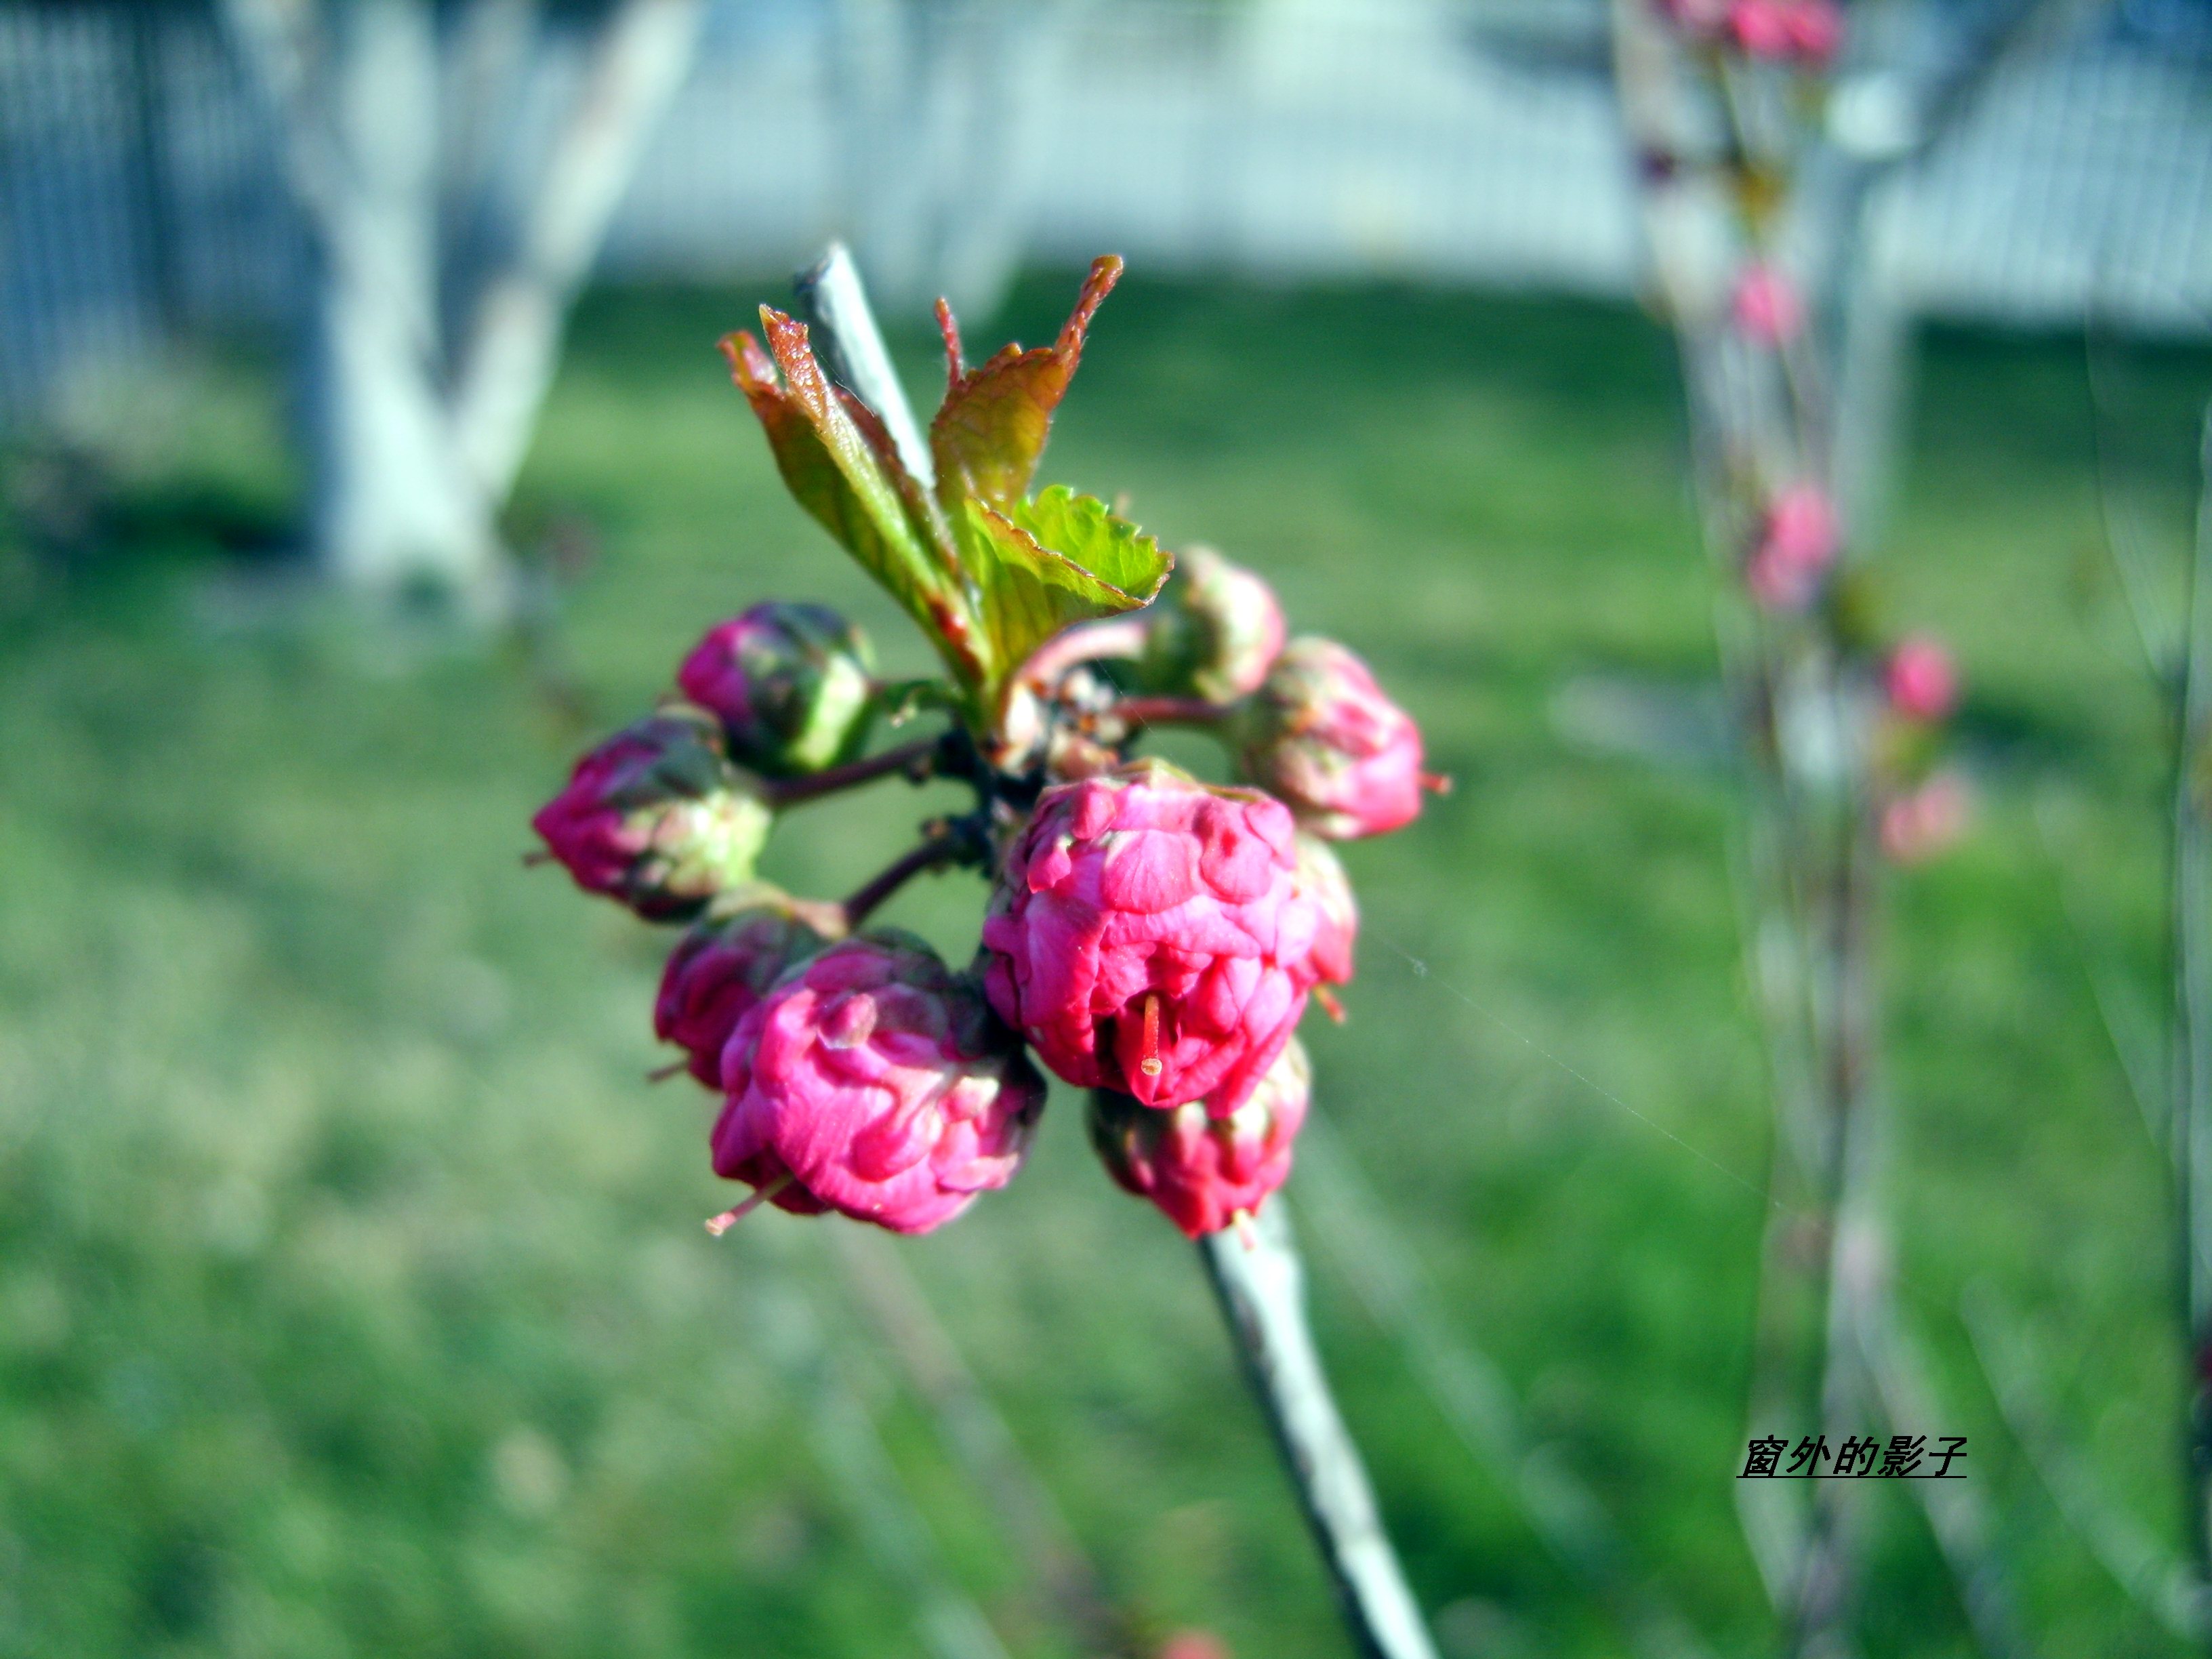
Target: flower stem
(1115,637)
(933,853)
(917,759)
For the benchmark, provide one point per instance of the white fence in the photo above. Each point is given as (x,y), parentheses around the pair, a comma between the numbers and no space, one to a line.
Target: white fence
(1436,139)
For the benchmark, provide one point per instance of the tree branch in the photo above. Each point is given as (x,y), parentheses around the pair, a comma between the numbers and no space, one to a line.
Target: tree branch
(1260,1283)
(2138,1561)
(278,42)
(1171,711)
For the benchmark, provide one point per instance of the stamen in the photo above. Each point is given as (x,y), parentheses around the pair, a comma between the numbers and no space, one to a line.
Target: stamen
(662,1074)
(737,1213)
(1246,1234)
(1329,1005)
(1437,783)
(535,857)
(1150,1065)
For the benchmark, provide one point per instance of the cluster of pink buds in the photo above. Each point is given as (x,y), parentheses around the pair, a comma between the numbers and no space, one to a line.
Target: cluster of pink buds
(1148,936)
(1805,32)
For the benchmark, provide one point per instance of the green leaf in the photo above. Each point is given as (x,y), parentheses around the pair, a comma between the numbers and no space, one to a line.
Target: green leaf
(992,427)
(841,466)
(1128,564)
(1048,564)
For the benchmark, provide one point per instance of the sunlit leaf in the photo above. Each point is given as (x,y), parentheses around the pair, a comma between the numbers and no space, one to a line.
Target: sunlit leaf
(1082,529)
(1048,564)
(990,429)
(841,466)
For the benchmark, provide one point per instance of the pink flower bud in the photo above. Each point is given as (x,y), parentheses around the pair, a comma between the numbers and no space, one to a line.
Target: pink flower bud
(1203,1168)
(1214,632)
(1797,542)
(1148,935)
(1320,733)
(790,685)
(1926,820)
(1765,307)
(1321,877)
(656,818)
(873,1081)
(1806,31)
(1922,682)
(719,970)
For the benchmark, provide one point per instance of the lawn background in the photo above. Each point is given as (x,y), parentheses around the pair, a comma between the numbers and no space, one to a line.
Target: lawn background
(353,1299)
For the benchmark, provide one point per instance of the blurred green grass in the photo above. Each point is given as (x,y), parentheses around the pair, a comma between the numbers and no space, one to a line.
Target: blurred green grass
(353,1299)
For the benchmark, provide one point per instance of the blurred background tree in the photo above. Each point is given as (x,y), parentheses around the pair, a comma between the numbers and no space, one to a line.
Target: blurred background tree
(440,296)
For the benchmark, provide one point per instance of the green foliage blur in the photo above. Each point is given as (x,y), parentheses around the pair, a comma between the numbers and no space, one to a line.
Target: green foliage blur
(353,1295)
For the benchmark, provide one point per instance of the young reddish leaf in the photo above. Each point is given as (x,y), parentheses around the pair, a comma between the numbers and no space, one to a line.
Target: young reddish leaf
(1097,565)
(990,427)
(841,466)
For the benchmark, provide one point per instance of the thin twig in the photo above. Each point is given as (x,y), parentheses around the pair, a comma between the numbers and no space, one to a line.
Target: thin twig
(1171,711)
(1260,1283)
(638,60)
(851,345)
(2156,632)
(1112,636)
(2130,1046)
(932,855)
(2190,1073)
(916,760)
(978,1435)
(1760,419)
(1957,1513)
